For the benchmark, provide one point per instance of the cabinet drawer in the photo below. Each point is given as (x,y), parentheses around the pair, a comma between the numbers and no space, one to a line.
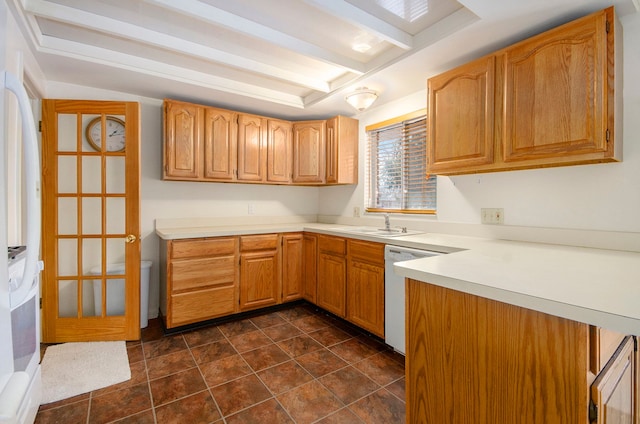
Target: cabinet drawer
(330,244)
(181,249)
(200,305)
(602,345)
(366,251)
(259,242)
(198,273)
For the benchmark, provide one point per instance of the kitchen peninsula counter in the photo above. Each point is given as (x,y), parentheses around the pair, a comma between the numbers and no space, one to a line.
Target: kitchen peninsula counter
(593,286)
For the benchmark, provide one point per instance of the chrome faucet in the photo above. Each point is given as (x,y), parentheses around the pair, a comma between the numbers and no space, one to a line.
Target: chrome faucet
(387,223)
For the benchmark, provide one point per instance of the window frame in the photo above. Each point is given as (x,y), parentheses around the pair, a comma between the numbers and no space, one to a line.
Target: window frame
(369,164)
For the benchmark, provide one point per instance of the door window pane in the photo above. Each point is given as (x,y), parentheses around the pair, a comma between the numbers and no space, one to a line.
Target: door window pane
(68,299)
(67,182)
(91,174)
(115,174)
(67,215)
(67,257)
(67,132)
(91,215)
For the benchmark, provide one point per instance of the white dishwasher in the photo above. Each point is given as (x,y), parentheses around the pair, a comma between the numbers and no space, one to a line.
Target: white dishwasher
(394,307)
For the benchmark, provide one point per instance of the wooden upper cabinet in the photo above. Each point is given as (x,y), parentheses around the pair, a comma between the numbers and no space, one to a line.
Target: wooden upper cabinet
(556,92)
(251,150)
(183,141)
(279,151)
(461,111)
(220,144)
(309,152)
(203,143)
(545,101)
(342,151)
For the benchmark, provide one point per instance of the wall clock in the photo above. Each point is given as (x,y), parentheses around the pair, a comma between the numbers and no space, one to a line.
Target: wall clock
(114,134)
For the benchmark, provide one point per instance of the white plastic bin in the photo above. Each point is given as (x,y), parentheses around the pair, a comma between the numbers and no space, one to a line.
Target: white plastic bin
(115,292)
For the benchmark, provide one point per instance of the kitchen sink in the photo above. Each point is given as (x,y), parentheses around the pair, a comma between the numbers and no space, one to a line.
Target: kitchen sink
(379,232)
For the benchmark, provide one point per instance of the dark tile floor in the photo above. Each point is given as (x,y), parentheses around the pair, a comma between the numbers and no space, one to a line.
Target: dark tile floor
(296,365)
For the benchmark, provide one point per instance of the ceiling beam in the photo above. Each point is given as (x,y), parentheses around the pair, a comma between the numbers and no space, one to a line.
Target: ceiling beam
(110,58)
(365,21)
(139,34)
(216,16)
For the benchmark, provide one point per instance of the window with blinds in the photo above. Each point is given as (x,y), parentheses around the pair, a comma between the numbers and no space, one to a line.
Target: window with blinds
(397,178)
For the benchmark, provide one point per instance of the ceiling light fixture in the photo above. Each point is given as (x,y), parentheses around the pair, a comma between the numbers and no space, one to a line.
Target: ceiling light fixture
(361,98)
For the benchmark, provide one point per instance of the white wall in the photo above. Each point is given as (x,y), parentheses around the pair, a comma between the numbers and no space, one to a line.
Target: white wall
(599,198)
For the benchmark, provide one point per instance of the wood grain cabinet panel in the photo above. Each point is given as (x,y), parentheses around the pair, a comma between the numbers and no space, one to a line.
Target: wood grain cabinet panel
(341,151)
(310,267)
(614,393)
(556,93)
(259,271)
(461,117)
(365,285)
(491,362)
(182,141)
(309,152)
(332,274)
(279,151)
(251,148)
(200,279)
(292,268)
(220,144)
(546,101)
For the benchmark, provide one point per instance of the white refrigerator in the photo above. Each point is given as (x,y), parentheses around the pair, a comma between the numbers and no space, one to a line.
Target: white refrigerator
(20,382)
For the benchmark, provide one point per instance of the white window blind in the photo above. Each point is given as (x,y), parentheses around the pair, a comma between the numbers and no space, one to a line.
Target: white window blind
(396,163)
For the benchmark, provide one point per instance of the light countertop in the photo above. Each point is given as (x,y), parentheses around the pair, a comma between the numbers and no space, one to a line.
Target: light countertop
(594,286)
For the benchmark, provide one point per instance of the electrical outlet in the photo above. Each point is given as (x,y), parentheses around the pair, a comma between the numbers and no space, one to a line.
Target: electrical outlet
(492,215)
(356,212)
(251,209)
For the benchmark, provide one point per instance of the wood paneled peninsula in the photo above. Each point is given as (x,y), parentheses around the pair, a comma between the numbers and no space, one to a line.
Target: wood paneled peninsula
(505,331)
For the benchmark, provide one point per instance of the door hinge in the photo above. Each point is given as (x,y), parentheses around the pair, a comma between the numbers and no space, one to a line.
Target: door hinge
(39,126)
(593,412)
(607,26)
(40,303)
(607,135)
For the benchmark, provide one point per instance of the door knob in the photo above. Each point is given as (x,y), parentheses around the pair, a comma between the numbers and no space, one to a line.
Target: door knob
(131,238)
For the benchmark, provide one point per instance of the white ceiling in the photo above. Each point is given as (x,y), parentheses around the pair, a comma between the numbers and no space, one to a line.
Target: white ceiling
(284,58)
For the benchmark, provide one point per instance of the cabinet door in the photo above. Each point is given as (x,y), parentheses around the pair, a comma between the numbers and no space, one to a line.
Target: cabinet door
(279,154)
(183,141)
(259,279)
(308,152)
(332,274)
(292,255)
(251,160)
(310,267)
(365,285)
(342,151)
(220,144)
(461,117)
(556,92)
(613,391)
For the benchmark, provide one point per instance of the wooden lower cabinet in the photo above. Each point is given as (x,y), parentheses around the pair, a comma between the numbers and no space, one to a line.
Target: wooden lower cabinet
(365,285)
(332,274)
(614,393)
(292,269)
(200,279)
(493,362)
(310,267)
(259,271)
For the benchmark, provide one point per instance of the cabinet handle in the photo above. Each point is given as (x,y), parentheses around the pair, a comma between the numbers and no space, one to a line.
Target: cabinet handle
(131,238)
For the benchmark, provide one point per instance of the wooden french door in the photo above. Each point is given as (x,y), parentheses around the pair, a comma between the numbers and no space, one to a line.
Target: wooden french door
(90,220)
